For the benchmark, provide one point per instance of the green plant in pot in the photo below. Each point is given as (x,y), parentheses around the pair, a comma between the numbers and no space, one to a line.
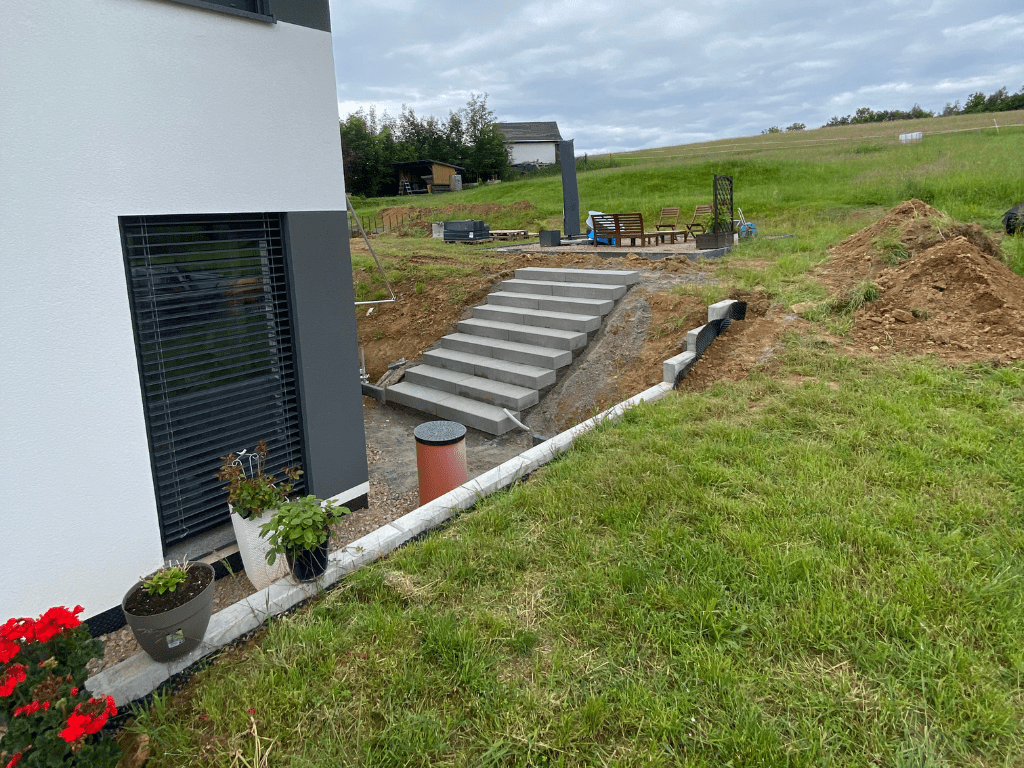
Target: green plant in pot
(168,611)
(253,495)
(299,530)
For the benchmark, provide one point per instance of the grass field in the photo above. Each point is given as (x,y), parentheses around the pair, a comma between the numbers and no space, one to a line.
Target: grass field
(819,565)
(790,181)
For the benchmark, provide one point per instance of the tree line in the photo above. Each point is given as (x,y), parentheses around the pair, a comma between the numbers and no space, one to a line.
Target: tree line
(469,138)
(1000,101)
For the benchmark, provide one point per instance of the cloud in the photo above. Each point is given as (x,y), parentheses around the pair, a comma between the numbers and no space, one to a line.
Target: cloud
(619,76)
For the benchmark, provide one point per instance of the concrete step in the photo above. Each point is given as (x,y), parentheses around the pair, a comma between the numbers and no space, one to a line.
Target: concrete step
(604,276)
(572,290)
(520,374)
(525,334)
(466,384)
(471,413)
(537,317)
(543,357)
(552,303)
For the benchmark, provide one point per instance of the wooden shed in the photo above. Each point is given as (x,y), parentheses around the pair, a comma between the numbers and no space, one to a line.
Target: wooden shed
(422,177)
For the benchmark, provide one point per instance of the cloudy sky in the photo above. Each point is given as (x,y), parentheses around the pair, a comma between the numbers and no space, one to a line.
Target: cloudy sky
(630,74)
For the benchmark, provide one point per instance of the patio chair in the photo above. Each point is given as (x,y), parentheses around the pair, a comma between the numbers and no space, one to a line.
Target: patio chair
(696,227)
(668,217)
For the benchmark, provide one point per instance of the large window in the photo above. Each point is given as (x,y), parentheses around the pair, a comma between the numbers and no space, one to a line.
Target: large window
(210,309)
(252,9)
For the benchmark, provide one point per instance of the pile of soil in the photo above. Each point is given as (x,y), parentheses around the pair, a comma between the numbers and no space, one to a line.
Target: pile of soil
(952,296)
(419,218)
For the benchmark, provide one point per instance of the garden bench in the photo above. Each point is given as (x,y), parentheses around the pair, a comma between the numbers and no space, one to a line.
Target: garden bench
(620,226)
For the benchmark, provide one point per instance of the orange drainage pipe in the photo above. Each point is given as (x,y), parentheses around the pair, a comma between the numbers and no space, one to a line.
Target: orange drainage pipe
(440,458)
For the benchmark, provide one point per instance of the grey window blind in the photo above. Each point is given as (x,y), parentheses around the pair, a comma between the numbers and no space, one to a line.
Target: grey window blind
(209,302)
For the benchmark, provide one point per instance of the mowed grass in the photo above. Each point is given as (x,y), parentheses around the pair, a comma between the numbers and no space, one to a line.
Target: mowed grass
(820,565)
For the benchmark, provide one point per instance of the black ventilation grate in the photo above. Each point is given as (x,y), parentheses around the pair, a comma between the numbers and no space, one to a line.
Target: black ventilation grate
(209,301)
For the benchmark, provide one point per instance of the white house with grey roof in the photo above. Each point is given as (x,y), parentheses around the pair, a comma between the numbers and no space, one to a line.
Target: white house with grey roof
(531,143)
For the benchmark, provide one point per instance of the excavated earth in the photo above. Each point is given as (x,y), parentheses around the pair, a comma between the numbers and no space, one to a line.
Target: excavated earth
(951,296)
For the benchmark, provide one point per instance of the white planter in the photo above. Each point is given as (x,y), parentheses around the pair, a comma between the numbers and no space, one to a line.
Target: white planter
(253,548)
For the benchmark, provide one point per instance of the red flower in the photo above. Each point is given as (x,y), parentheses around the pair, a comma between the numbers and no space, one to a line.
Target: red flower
(251,711)
(14,760)
(8,650)
(14,675)
(80,725)
(55,621)
(74,692)
(18,629)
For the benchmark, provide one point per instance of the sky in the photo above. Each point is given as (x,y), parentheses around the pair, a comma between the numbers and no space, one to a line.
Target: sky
(634,74)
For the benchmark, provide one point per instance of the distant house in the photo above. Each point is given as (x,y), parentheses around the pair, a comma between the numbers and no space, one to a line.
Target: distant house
(423,177)
(531,144)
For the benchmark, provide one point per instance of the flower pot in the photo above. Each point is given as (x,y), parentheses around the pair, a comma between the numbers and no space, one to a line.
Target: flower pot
(179,629)
(253,548)
(709,240)
(309,564)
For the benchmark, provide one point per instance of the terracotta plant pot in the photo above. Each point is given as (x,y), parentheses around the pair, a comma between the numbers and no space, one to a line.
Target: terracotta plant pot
(177,631)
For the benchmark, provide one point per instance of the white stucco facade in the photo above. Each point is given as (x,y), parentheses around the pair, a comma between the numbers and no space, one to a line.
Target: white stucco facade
(111,108)
(542,153)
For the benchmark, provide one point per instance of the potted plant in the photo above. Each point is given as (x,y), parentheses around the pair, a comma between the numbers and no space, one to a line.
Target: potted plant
(299,530)
(253,495)
(169,611)
(718,231)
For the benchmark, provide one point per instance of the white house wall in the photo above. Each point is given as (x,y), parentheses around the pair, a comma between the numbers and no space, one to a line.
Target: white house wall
(109,108)
(538,152)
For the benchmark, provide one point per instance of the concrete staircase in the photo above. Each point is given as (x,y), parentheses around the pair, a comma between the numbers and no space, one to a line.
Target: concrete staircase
(513,347)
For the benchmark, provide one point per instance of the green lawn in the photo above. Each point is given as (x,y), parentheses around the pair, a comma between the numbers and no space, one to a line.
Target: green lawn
(819,565)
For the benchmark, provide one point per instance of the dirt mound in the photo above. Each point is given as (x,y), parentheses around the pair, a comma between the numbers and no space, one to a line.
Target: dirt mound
(943,288)
(953,299)
(450,212)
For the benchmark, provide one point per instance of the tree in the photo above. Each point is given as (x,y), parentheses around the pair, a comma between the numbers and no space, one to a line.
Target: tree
(795,127)
(773,129)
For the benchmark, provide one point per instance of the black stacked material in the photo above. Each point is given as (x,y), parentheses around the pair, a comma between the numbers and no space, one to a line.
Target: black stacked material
(1013,219)
(470,229)
(550,238)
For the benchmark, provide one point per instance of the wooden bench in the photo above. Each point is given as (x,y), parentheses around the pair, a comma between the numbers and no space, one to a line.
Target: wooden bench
(616,227)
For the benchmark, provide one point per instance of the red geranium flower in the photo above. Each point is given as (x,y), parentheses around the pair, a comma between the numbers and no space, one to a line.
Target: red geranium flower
(90,722)
(14,760)
(8,650)
(55,621)
(14,675)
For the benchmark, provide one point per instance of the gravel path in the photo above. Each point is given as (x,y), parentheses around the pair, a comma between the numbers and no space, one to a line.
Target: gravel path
(385,505)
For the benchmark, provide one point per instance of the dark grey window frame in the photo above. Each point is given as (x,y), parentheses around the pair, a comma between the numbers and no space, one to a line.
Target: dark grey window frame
(212,5)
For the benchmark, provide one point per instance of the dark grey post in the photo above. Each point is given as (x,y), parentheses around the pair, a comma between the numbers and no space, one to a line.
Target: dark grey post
(570,192)
(327,357)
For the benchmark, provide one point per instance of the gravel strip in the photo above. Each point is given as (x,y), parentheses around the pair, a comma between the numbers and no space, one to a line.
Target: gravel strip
(384,506)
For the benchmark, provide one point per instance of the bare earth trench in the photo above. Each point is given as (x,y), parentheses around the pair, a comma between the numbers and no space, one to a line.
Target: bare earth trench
(611,369)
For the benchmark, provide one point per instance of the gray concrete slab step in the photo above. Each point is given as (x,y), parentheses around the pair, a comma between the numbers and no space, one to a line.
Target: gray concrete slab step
(571,290)
(527,334)
(499,393)
(537,317)
(520,374)
(552,303)
(471,413)
(544,357)
(605,276)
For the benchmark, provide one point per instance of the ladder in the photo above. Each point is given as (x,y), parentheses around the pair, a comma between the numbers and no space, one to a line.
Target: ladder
(404,188)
